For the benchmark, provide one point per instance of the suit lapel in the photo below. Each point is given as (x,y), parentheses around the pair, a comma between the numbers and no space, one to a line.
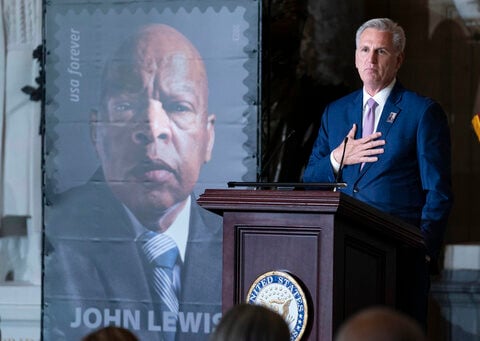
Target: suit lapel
(203,257)
(354,113)
(390,112)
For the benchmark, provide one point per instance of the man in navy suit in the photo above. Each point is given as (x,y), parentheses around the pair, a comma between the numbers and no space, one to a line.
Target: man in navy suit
(403,166)
(152,133)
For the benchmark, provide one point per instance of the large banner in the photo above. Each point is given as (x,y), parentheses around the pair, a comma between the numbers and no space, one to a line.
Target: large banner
(147,104)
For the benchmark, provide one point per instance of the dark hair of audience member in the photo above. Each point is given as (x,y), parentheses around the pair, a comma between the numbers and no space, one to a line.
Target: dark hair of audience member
(251,322)
(111,333)
(380,324)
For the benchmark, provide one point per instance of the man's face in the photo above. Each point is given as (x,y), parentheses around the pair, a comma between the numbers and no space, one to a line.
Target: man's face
(154,132)
(376,59)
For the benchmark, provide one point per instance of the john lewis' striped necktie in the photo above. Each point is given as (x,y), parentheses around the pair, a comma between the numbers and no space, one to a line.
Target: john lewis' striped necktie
(162,253)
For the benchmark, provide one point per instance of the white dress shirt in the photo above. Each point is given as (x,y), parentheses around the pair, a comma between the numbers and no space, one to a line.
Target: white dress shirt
(381,98)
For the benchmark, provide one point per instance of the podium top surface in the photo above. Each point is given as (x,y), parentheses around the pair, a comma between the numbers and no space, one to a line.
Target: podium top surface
(270,199)
(289,185)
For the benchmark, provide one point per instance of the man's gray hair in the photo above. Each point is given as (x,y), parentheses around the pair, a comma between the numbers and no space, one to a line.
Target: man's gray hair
(387,25)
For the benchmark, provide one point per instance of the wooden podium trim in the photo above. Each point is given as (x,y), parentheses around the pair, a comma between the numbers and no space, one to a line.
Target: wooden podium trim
(310,201)
(269,200)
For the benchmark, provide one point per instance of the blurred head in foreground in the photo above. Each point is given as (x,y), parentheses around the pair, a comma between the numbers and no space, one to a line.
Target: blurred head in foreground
(251,322)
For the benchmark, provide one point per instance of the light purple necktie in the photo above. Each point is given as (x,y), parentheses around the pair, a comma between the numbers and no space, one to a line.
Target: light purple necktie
(369,120)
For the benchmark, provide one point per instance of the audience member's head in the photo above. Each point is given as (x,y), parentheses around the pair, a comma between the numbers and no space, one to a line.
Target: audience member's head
(380,324)
(111,333)
(251,322)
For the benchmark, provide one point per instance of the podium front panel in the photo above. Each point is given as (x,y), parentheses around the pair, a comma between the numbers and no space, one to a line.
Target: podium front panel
(257,243)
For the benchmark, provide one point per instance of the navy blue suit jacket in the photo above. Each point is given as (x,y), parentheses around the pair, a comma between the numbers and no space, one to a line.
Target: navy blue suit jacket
(93,265)
(412,178)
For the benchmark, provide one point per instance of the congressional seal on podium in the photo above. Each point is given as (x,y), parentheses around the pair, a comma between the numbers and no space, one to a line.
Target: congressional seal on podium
(279,291)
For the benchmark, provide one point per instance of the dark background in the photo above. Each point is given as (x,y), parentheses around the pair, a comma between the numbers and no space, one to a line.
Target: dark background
(308,61)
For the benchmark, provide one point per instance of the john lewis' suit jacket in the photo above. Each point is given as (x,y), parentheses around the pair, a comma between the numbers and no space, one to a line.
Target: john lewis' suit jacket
(95,269)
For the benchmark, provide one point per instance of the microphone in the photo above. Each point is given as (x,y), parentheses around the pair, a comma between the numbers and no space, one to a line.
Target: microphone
(339,173)
(275,152)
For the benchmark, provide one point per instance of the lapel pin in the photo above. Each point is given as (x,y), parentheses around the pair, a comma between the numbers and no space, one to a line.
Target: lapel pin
(391,117)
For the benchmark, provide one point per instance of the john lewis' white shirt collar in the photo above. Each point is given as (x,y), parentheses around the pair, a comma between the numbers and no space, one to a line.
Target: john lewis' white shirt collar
(178,231)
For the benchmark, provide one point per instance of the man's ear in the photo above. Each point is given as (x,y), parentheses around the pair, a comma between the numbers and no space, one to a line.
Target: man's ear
(400,59)
(210,137)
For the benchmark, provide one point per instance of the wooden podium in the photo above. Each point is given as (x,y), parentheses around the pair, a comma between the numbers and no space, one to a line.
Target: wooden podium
(346,254)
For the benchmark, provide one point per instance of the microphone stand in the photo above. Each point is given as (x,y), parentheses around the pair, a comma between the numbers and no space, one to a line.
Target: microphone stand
(339,173)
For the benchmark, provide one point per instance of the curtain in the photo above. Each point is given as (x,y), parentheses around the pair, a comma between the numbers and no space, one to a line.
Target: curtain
(20,196)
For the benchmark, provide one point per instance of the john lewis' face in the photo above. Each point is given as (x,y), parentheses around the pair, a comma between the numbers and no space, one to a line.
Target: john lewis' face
(154,132)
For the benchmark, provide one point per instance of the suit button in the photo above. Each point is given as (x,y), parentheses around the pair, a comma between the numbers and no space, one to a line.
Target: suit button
(356,190)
